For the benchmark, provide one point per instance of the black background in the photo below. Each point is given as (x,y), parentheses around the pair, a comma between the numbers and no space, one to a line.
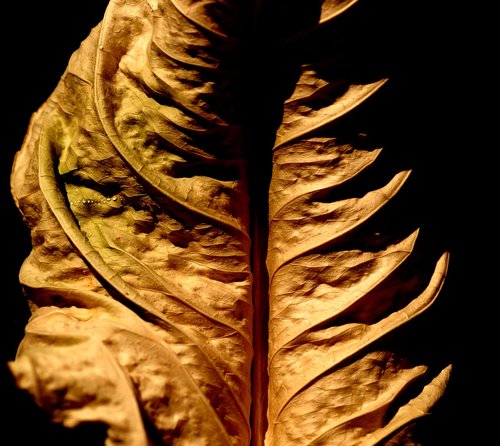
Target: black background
(442,50)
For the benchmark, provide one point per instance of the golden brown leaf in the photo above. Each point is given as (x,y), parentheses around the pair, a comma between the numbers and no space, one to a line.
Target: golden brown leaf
(133,178)
(135,193)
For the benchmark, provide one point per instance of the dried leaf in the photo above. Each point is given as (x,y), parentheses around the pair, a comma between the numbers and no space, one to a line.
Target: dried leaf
(133,179)
(335,285)
(136,199)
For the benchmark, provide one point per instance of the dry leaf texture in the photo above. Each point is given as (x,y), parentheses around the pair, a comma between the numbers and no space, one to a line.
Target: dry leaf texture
(338,282)
(133,180)
(133,184)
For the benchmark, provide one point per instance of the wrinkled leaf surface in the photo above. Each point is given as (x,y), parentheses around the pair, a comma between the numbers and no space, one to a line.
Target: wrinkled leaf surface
(134,180)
